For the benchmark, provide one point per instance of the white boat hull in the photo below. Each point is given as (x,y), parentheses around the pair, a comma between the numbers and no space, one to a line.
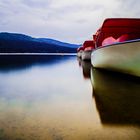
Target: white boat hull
(121,57)
(79,54)
(86,55)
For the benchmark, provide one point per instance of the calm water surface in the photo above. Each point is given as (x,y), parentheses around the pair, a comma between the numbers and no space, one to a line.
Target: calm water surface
(62,98)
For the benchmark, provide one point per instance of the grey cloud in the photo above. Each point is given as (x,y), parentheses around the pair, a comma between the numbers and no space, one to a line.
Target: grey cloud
(37,3)
(129,8)
(66,22)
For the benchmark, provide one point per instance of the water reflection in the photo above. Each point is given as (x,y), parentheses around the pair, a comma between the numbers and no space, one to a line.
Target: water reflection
(86,66)
(17,62)
(49,99)
(43,100)
(117,97)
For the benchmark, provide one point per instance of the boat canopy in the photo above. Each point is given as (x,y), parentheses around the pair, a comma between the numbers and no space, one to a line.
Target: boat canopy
(88,43)
(117,30)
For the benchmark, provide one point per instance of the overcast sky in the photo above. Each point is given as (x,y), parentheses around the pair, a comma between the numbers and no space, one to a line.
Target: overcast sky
(70,21)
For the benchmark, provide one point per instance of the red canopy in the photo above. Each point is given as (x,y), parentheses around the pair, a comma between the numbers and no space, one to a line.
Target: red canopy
(117,30)
(88,43)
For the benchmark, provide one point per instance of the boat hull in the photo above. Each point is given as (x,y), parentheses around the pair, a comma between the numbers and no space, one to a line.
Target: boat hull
(86,55)
(121,57)
(79,54)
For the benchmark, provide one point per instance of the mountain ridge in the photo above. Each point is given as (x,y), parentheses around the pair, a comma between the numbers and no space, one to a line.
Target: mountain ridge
(15,42)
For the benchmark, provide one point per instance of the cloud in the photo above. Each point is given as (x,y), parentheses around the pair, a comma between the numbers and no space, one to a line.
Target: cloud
(129,8)
(65,20)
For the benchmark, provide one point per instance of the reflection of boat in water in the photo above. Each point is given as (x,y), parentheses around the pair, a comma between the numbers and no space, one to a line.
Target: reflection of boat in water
(118,46)
(117,97)
(86,66)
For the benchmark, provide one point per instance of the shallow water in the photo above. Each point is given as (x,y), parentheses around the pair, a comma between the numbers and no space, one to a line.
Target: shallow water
(62,98)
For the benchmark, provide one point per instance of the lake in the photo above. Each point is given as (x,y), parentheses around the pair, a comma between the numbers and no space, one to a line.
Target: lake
(59,97)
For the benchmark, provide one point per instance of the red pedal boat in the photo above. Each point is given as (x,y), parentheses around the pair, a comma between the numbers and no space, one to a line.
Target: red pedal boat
(117,46)
(84,52)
